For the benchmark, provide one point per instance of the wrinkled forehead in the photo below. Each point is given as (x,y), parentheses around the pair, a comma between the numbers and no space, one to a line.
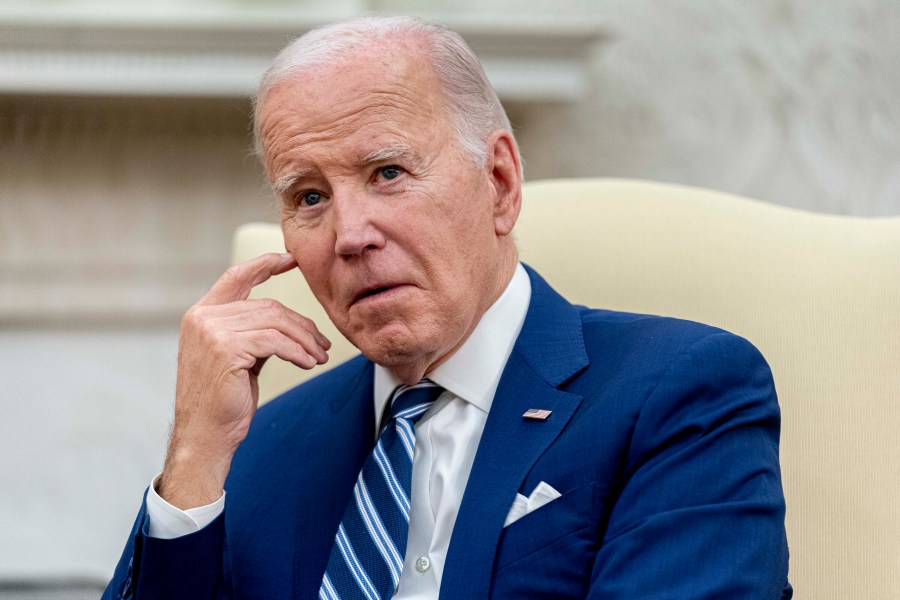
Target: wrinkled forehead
(389,95)
(379,79)
(378,72)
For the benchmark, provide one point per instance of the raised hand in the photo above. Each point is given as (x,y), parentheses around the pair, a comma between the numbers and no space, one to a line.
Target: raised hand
(225,339)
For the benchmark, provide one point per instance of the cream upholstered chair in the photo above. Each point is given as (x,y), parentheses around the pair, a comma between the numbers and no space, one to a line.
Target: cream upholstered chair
(818,294)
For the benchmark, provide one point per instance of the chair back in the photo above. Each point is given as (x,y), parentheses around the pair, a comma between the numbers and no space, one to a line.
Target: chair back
(818,294)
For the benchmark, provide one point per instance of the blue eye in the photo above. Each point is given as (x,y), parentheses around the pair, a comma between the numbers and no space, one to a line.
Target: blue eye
(310,198)
(390,172)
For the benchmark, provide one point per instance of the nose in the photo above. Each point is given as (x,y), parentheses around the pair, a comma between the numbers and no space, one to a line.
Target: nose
(354,220)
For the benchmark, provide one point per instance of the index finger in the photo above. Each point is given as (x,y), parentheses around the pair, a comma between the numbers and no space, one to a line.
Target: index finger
(235,284)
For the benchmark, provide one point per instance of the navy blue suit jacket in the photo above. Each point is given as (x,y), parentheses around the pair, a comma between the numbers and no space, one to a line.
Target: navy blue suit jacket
(663,441)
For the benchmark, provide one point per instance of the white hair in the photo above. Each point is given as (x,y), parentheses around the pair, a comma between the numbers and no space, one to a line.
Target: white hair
(471,103)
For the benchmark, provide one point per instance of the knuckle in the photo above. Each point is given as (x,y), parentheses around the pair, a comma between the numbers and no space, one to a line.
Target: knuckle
(234,270)
(308,325)
(192,318)
(232,273)
(270,304)
(219,340)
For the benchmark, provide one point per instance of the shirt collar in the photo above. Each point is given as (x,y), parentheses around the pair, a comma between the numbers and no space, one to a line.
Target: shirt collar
(473,371)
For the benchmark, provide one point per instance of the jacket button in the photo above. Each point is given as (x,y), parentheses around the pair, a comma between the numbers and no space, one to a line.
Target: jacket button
(422,564)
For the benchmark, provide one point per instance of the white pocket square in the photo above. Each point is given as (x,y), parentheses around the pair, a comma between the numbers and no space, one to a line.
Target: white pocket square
(521,506)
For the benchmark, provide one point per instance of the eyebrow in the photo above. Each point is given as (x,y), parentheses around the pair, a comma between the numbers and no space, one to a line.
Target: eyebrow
(286,182)
(389,153)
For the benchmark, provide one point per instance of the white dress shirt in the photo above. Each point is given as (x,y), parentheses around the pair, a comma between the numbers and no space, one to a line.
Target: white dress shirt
(447,437)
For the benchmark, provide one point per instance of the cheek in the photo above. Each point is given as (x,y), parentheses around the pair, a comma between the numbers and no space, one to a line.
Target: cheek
(311,252)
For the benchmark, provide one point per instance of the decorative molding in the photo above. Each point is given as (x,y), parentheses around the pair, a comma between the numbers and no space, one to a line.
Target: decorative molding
(118,212)
(142,111)
(222,52)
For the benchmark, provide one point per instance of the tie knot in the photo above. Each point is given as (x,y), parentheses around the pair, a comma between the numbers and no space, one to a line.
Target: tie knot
(411,401)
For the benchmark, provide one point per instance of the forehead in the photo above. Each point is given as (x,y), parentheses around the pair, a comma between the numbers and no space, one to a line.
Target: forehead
(383,97)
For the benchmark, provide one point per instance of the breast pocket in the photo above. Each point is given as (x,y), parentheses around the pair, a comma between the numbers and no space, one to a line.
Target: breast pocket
(564,528)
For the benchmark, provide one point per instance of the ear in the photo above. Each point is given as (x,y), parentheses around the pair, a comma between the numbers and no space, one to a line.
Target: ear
(504,171)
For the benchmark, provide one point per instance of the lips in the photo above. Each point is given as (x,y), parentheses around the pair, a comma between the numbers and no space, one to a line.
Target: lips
(374,290)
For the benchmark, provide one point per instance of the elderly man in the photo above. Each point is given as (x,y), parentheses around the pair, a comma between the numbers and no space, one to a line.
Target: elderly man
(493,440)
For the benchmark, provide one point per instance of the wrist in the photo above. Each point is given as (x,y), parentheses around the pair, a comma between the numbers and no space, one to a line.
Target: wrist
(193,477)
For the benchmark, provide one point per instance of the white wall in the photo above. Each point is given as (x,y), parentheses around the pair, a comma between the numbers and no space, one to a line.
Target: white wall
(84,428)
(787,101)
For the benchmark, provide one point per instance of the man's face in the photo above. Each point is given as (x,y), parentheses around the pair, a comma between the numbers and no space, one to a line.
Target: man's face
(392,225)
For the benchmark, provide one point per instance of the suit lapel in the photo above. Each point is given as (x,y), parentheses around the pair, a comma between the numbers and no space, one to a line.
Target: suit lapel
(335,446)
(549,350)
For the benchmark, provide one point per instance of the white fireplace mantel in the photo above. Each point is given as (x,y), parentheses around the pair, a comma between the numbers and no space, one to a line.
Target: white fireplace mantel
(220,49)
(126,122)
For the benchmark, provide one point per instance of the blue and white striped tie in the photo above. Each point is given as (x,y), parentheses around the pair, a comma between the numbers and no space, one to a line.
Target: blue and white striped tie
(370,545)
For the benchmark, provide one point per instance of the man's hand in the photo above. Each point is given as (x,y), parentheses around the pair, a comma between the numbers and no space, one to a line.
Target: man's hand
(225,339)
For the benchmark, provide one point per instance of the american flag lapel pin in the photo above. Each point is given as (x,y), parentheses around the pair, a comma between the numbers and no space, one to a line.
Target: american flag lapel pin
(538,414)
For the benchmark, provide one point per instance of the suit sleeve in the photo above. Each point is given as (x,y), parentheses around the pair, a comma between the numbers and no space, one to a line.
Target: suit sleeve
(188,567)
(701,510)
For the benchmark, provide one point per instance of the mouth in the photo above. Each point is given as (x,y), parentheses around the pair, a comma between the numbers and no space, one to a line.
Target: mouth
(375,291)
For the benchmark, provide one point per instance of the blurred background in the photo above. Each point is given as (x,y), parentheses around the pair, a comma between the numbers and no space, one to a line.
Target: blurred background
(125,166)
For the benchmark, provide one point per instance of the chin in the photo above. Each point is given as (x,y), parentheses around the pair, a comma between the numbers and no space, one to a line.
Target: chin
(392,347)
